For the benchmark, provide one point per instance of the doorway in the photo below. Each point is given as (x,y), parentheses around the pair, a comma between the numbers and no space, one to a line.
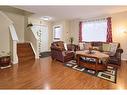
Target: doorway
(42,33)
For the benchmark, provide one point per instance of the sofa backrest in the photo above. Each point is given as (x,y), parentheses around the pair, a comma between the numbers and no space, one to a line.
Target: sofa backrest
(97,43)
(58,44)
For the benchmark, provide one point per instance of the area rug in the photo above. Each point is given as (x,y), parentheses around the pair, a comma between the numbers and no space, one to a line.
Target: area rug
(45,54)
(110,74)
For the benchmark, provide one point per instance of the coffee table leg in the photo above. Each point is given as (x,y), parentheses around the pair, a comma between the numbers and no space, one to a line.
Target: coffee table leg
(97,61)
(96,65)
(78,59)
(107,61)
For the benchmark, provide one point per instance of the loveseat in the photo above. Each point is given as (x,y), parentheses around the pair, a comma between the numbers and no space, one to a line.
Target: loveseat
(115,55)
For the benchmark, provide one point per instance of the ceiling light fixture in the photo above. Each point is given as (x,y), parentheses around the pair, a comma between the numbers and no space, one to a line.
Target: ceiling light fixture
(46,18)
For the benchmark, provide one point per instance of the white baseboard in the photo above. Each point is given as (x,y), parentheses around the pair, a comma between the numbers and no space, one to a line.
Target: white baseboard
(36,57)
(124,59)
(14,62)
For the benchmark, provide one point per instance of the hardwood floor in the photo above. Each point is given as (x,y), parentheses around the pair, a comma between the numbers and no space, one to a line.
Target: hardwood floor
(45,74)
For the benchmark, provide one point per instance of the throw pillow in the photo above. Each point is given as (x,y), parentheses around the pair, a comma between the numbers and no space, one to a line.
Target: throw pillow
(100,48)
(88,45)
(113,48)
(106,47)
(95,48)
(65,46)
(81,46)
(60,46)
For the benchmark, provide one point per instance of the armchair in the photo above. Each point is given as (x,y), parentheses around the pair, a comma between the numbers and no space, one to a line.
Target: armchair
(59,53)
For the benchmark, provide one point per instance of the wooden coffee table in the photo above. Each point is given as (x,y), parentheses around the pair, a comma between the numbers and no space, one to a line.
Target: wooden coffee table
(99,60)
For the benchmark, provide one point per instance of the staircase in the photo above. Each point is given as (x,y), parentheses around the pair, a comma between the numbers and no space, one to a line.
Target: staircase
(25,52)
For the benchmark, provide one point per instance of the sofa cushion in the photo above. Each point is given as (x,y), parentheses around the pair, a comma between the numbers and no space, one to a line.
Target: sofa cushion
(96,48)
(61,45)
(106,47)
(113,48)
(81,46)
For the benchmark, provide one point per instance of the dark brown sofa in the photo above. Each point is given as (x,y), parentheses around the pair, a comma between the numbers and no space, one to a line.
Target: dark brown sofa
(59,53)
(114,59)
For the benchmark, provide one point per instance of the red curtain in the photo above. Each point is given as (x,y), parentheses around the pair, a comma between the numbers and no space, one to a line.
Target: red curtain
(109,30)
(80,31)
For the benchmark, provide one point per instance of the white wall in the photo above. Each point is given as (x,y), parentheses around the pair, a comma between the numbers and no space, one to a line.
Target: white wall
(66,30)
(119,25)
(18,23)
(74,30)
(4,34)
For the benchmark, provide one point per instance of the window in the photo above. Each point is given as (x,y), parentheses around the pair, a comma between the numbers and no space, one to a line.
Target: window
(57,32)
(94,30)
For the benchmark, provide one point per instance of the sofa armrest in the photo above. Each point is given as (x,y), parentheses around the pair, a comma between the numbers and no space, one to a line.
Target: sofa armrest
(77,48)
(119,50)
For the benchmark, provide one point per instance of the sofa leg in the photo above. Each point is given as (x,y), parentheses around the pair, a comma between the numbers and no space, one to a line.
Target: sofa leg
(53,60)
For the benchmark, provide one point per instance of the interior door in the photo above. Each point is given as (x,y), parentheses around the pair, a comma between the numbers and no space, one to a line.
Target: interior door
(44,38)
(42,33)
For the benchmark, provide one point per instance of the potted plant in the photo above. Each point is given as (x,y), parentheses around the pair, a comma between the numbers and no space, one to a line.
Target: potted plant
(71,40)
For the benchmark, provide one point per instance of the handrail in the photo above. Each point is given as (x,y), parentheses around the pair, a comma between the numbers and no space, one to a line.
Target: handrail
(14,44)
(35,35)
(33,39)
(13,33)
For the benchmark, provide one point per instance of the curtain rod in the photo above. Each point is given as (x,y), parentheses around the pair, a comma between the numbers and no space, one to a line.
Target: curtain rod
(96,19)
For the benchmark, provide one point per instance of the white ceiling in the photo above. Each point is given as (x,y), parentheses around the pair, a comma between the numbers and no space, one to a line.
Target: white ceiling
(72,12)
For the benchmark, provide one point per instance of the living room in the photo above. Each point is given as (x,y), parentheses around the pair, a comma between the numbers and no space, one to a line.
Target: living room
(53,74)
